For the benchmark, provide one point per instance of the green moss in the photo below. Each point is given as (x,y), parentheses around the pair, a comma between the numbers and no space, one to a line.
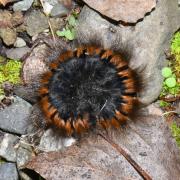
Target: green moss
(10,72)
(176,133)
(175,44)
(171,84)
(163,103)
(175,50)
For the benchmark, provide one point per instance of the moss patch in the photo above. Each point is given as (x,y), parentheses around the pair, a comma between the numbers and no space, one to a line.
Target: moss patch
(9,72)
(171,87)
(175,50)
(176,133)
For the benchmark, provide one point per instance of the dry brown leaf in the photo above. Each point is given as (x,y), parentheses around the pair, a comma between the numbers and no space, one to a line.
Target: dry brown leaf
(148,142)
(129,11)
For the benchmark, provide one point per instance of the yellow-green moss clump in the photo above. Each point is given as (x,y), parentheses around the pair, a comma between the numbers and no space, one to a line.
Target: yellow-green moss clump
(175,50)
(176,133)
(9,71)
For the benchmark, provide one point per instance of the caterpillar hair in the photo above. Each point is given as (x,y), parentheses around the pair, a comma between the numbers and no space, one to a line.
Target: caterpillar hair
(88,87)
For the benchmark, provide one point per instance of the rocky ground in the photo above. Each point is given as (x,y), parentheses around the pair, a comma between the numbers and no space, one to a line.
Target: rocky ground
(35,32)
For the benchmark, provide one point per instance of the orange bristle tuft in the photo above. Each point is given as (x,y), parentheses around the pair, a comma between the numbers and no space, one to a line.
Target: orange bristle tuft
(129,83)
(91,50)
(65,56)
(121,65)
(127,108)
(50,112)
(104,123)
(120,117)
(116,59)
(79,126)
(126,73)
(68,127)
(54,65)
(58,122)
(80,51)
(43,91)
(114,123)
(46,77)
(107,54)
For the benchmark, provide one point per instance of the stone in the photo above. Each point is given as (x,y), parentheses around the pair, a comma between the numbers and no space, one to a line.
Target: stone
(8,36)
(23,156)
(36,22)
(51,141)
(7,147)
(59,10)
(17,53)
(22,5)
(5,19)
(119,10)
(47,8)
(19,42)
(51,2)
(14,118)
(146,41)
(8,171)
(17,18)
(10,20)
(56,23)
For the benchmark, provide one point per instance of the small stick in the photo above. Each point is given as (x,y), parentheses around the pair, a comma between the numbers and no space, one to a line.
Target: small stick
(168,112)
(50,26)
(140,171)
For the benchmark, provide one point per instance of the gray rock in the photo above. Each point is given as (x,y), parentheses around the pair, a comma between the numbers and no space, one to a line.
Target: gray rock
(51,2)
(23,156)
(17,53)
(8,171)
(22,5)
(56,23)
(36,22)
(14,118)
(59,10)
(51,141)
(19,42)
(146,41)
(7,147)
(8,35)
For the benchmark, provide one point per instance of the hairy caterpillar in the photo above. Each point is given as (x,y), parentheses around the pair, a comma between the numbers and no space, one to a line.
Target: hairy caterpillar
(88,87)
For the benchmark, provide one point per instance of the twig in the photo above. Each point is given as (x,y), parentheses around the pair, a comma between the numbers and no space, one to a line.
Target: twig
(168,112)
(50,26)
(140,171)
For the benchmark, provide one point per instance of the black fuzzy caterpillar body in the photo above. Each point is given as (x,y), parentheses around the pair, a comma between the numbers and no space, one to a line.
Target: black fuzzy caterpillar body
(87,87)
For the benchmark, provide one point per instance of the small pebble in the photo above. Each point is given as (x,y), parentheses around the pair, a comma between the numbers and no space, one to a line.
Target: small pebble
(59,10)
(19,42)
(22,5)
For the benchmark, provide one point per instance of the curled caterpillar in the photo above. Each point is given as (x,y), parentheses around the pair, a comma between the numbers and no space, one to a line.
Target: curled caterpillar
(87,87)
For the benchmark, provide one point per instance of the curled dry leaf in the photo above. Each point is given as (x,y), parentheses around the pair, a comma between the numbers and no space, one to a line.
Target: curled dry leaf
(129,11)
(147,141)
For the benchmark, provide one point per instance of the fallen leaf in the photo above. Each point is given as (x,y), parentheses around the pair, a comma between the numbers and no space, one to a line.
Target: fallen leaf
(147,141)
(129,11)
